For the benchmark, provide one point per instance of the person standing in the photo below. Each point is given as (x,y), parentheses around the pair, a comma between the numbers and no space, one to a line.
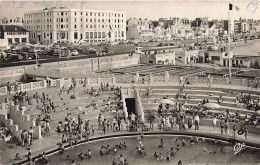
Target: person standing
(214,122)
(221,127)
(151,122)
(180,80)
(234,131)
(245,132)
(189,123)
(196,119)
(8,87)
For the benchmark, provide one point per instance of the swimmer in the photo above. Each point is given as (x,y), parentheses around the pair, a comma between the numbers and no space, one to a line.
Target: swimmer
(114,161)
(119,145)
(179,162)
(72,162)
(124,145)
(125,162)
(141,145)
(142,135)
(114,149)
(101,151)
(61,147)
(168,156)
(81,156)
(178,147)
(160,157)
(183,142)
(161,144)
(155,155)
(68,157)
(197,139)
(210,152)
(17,157)
(172,151)
(192,141)
(89,154)
(121,159)
(176,140)
(108,148)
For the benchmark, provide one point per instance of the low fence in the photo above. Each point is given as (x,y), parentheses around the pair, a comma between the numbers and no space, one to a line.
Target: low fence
(23,87)
(11,73)
(124,78)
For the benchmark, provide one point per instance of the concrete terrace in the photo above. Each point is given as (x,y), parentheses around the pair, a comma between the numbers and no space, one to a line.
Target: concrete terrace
(77,106)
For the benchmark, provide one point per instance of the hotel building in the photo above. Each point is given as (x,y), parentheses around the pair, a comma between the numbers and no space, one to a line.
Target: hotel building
(75,25)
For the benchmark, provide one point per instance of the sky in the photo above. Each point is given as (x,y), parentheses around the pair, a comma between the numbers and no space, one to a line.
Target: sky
(217,9)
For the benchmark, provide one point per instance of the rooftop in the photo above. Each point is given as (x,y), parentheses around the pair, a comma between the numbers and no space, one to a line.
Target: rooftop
(12,28)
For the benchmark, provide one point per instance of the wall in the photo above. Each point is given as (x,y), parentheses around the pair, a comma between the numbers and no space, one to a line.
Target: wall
(138,105)
(10,75)
(19,122)
(25,87)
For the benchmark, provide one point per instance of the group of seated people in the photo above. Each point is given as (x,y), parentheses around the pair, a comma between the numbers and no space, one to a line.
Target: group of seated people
(107,149)
(248,101)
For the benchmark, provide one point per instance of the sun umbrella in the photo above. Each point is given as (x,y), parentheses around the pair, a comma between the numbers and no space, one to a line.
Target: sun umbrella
(212,105)
(166,101)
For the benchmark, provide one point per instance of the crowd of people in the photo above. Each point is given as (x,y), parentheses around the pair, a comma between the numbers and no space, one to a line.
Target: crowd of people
(73,130)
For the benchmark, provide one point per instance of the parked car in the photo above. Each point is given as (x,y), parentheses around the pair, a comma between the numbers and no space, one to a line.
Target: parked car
(55,52)
(74,53)
(160,45)
(14,57)
(92,51)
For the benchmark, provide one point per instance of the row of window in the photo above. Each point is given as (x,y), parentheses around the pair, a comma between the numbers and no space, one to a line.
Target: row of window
(98,20)
(98,26)
(38,27)
(88,35)
(75,20)
(16,33)
(37,21)
(98,14)
(36,15)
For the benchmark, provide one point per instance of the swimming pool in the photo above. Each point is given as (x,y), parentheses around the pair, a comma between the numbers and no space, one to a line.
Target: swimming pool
(188,154)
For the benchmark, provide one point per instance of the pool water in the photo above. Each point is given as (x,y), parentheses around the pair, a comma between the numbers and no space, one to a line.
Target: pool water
(187,154)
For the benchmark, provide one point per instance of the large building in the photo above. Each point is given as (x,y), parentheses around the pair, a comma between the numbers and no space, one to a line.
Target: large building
(139,29)
(9,21)
(75,25)
(12,34)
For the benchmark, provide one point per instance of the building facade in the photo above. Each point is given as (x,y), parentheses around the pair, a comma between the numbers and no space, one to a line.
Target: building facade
(139,29)
(9,21)
(75,25)
(12,34)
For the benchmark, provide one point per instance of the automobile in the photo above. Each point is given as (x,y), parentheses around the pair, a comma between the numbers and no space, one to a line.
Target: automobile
(165,44)
(33,55)
(160,45)
(67,53)
(14,57)
(74,53)
(56,46)
(25,55)
(92,51)
(55,52)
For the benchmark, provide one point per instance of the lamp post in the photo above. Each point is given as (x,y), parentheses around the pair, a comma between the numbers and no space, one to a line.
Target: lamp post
(197,32)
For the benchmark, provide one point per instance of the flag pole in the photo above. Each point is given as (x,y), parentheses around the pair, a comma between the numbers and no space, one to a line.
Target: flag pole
(229,54)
